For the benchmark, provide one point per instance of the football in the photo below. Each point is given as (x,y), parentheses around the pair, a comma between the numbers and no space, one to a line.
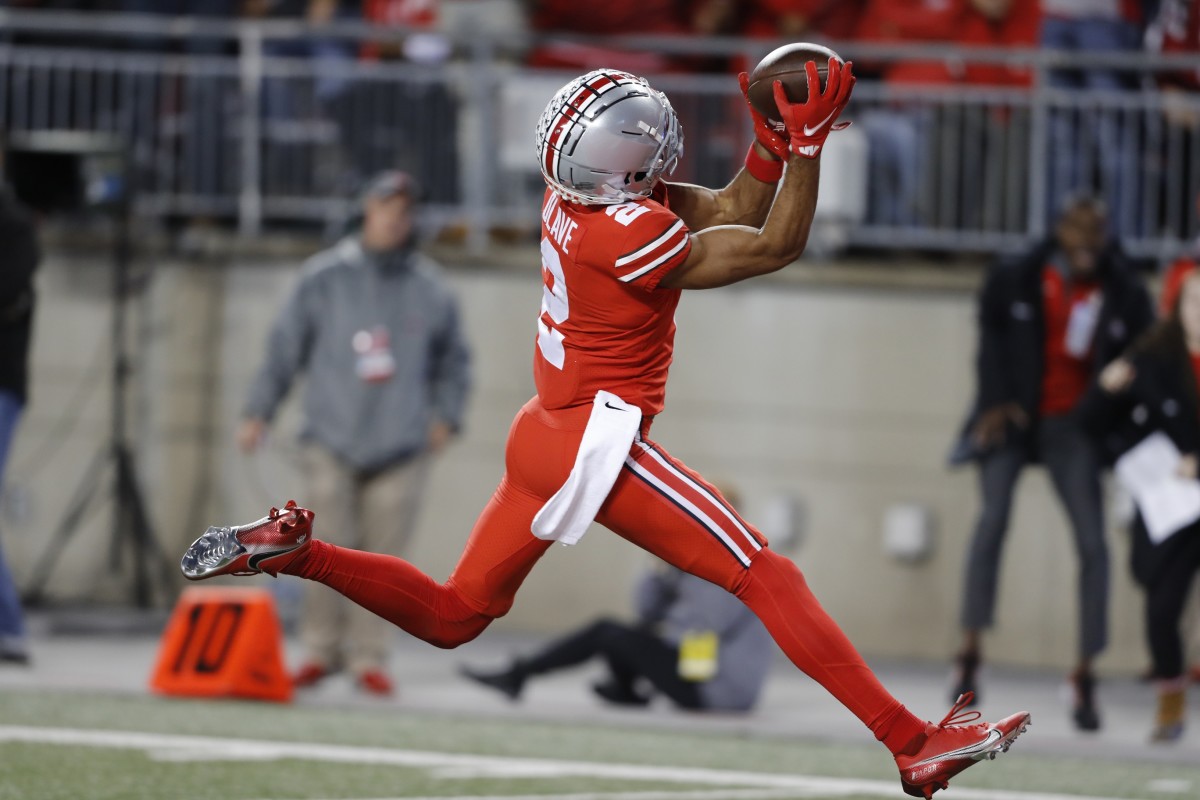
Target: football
(786,64)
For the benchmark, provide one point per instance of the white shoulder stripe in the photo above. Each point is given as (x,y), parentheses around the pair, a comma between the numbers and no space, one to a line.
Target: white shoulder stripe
(656,262)
(645,251)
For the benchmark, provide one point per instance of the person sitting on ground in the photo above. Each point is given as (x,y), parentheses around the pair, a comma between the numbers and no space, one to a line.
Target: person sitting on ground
(692,641)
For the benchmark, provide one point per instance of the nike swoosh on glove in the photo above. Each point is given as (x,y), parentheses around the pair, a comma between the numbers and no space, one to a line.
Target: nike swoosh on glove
(773,139)
(809,123)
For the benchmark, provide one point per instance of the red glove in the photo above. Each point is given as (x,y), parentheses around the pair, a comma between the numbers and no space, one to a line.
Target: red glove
(773,139)
(808,123)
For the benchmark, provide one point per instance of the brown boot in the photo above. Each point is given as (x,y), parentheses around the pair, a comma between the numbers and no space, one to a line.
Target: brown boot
(1168,719)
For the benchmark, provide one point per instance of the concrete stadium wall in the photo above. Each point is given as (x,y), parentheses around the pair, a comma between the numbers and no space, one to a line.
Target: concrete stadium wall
(841,399)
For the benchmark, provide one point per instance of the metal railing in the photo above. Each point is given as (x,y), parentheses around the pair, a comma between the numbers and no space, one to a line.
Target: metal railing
(269,122)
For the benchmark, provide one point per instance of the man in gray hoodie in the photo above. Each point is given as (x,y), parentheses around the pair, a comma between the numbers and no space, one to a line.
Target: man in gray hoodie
(374,328)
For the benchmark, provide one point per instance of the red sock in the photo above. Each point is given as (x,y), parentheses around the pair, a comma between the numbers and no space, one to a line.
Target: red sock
(775,590)
(391,588)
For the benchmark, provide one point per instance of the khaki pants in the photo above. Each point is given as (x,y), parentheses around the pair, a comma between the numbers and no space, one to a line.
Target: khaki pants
(373,512)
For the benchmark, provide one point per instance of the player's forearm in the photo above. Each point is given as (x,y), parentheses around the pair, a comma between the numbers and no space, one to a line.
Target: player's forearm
(785,232)
(747,200)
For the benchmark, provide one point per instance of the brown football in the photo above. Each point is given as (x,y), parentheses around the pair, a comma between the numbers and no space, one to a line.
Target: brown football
(786,64)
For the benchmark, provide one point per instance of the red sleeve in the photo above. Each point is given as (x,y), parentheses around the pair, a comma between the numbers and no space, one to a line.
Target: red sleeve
(656,243)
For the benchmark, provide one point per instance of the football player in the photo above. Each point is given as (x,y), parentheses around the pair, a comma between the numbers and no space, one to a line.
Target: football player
(619,244)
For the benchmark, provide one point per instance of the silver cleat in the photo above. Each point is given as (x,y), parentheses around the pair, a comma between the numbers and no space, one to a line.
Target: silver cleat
(211,552)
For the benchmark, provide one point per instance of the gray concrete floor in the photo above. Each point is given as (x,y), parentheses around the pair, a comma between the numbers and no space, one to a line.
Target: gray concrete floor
(115,652)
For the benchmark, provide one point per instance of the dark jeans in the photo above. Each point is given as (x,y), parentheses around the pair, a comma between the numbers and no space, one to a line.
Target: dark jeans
(12,622)
(1074,466)
(630,653)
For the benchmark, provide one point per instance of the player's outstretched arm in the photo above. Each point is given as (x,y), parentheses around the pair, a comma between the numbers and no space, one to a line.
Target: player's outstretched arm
(727,254)
(747,198)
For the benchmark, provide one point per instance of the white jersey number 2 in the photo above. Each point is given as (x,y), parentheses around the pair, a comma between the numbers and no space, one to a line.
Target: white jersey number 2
(554,304)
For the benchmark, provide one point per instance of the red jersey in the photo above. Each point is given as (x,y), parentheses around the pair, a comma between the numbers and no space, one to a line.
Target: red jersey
(604,322)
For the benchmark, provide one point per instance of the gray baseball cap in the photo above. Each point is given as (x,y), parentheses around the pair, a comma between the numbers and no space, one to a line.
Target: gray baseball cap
(388,183)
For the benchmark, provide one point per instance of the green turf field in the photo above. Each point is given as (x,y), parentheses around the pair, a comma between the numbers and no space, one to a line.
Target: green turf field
(110,747)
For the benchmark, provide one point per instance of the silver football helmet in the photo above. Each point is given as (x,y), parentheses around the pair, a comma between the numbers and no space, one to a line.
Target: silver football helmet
(607,137)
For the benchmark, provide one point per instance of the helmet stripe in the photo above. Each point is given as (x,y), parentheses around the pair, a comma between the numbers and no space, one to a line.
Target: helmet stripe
(558,135)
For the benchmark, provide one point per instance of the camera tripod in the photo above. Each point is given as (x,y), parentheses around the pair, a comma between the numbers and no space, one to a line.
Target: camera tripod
(131,528)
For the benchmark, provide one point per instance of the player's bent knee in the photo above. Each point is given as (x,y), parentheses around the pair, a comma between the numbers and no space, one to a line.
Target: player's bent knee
(449,635)
(457,621)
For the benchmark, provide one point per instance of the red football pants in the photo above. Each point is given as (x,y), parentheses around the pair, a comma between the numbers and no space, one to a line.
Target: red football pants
(658,504)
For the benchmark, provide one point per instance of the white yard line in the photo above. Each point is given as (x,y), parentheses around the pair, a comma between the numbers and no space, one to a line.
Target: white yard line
(718,794)
(172,747)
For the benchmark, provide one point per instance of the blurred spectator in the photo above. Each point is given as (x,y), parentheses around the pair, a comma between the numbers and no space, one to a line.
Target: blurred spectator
(792,20)
(1153,388)
(19,246)
(410,121)
(821,21)
(1173,278)
(1091,148)
(329,54)
(422,45)
(374,327)
(300,109)
(1175,29)
(904,134)
(205,9)
(200,98)
(616,18)
(1048,323)
(44,37)
(692,641)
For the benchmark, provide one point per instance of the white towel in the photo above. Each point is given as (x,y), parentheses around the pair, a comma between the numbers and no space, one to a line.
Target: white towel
(609,435)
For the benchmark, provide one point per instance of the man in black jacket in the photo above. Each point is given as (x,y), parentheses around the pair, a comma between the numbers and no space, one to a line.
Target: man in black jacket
(19,257)
(1048,323)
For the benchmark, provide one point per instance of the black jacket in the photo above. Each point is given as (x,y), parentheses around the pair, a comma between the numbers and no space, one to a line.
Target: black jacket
(1162,397)
(1009,362)
(19,256)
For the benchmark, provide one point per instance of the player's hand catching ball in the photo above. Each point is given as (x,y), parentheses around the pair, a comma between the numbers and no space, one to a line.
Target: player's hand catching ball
(765,133)
(809,123)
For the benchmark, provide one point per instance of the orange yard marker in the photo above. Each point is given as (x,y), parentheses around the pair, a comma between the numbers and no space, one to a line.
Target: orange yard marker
(223,642)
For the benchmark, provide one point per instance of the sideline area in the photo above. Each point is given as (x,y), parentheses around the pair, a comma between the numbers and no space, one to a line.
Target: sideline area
(78,653)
